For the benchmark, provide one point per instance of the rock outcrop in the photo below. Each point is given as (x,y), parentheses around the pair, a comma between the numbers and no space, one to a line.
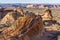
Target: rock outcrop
(26,26)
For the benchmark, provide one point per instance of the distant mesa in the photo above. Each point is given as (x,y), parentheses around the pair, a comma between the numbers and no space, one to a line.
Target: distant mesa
(43,6)
(31,5)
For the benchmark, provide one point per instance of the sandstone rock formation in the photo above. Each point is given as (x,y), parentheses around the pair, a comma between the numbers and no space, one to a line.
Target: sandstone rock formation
(26,26)
(11,16)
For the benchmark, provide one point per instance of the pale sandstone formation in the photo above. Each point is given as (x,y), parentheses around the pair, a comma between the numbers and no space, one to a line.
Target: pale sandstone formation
(47,15)
(8,18)
(25,27)
(11,16)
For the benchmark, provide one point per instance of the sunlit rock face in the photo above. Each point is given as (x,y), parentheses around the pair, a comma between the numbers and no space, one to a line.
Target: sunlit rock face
(33,25)
(10,15)
(8,19)
(20,10)
(35,32)
(47,15)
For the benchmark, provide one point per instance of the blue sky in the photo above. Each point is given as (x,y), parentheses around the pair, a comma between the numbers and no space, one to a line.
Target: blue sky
(31,1)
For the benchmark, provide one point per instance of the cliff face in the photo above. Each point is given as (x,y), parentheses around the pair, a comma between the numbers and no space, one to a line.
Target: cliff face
(8,18)
(24,27)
